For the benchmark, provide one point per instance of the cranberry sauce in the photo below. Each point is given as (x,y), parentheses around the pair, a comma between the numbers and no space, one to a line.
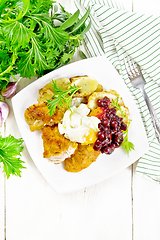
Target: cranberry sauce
(111,127)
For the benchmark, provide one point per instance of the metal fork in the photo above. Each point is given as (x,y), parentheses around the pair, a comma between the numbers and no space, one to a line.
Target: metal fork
(138,81)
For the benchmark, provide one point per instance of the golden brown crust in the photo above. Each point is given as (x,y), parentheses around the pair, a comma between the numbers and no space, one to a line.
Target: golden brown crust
(82,158)
(37,116)
(54,143)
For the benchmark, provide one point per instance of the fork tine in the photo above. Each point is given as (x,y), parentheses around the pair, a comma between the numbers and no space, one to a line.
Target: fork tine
(138,82)
(125,63)
(132,66)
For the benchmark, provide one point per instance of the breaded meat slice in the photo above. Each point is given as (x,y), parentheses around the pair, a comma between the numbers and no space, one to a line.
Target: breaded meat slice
(82,158)
(56,147)
(37,116)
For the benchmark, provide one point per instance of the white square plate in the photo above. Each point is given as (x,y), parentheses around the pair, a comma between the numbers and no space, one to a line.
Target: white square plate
(106,165)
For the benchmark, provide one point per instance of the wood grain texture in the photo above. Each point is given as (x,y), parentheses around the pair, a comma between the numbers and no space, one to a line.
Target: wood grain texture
(87,214)
(2,205)
(125,206)
(2,194)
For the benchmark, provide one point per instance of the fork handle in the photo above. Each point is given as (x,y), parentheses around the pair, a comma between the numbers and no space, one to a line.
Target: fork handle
(155,120)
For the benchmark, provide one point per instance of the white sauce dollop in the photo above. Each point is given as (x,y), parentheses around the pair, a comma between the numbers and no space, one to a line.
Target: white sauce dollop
(76,125)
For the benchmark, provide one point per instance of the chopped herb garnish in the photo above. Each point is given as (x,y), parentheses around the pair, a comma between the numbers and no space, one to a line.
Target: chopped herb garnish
(60,97)
(116,105)
(126,145)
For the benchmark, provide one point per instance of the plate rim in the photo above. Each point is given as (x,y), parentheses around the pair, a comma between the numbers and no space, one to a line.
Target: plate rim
(48,77)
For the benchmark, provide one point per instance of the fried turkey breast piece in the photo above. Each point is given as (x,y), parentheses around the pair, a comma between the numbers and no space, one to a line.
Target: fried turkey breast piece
(37,116)
(56,147)
(82,158)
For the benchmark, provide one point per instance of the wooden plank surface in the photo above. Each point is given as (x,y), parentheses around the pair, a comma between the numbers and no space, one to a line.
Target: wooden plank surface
(2,195)
(40,213)
(146,194)
(2,205)
(146,209)
(125,206)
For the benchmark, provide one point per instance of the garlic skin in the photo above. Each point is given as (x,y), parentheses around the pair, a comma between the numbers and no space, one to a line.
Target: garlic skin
(10,90)
(4,112)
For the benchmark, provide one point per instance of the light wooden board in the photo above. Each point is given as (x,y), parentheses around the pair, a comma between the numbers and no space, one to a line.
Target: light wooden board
(40,213)
(2,194)
(2,205)
(104,211)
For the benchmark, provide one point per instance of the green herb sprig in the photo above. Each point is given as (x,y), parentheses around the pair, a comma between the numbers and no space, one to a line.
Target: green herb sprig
(126,144)
(31,41)
(116,105)
(60,97)
(10,153)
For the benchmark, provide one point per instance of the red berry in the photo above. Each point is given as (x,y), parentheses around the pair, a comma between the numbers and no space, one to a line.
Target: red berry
(123,126)
(108,149)
(106,122)
(110,135)
(113,110)
(107,101)
(97,148)
(100,103)
(114,124)
(98,143)
(101,136)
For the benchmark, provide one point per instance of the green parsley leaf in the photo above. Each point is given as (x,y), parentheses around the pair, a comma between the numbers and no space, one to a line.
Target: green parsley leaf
(126,145)
(31,42)
(66,57)
(10,152)
(17,33)
(116,105)
(60,97)
(25,65)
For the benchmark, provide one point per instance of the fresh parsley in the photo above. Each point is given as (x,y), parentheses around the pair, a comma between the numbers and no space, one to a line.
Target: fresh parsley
(10,153)
(36,37)
(126,145)
(116,105)
(60,97)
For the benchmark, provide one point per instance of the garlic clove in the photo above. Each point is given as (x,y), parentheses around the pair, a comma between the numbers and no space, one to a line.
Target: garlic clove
(4,112)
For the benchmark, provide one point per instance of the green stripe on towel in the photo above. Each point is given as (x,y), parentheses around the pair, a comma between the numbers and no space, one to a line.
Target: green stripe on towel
(114,31)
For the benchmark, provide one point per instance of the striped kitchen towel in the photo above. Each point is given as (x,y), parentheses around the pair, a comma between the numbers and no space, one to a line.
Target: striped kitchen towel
(115,31)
